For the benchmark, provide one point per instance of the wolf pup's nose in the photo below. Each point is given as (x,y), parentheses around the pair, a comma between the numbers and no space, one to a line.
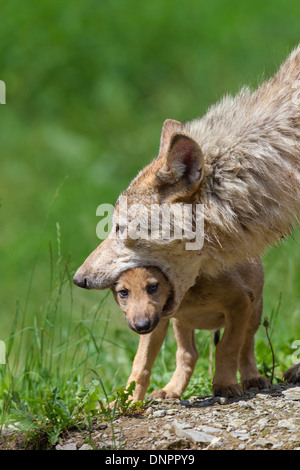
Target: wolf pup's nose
(142,326)
(80,281)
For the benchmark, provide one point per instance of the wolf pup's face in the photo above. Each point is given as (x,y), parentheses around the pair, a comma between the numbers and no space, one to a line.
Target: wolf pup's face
(142,294)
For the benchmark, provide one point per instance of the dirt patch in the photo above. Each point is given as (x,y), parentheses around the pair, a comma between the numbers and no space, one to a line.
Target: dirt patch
(268,419)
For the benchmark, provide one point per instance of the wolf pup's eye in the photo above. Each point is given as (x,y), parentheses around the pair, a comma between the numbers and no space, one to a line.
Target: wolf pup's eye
(152,288)
(123,293)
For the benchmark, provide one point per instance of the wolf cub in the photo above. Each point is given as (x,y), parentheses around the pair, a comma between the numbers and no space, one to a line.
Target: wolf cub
(232,301)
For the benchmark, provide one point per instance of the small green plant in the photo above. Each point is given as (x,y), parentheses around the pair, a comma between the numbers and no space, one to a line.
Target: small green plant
(269,372)
(269,325)
(45,426)
(124,404)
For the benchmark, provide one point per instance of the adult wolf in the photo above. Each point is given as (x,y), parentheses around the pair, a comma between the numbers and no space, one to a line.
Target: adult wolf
(241,161)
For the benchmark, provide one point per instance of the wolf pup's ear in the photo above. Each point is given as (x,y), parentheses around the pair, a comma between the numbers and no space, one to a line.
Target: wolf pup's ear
(184,159)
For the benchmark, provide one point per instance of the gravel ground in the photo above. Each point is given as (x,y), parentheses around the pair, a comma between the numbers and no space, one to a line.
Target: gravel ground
(268,419)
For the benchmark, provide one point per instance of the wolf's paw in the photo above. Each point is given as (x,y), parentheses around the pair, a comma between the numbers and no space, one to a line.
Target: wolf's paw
(163,394)
(256,382)
(292,375)
(227,391)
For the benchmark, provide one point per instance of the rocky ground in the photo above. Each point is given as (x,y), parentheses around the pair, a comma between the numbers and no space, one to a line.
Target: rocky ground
(268,419)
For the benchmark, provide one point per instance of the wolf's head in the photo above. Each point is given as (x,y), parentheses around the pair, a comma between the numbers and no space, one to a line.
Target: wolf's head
(172,180)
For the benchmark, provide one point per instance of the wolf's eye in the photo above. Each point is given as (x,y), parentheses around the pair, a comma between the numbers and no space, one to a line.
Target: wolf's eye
(152,288)
(120,229)
(123,293)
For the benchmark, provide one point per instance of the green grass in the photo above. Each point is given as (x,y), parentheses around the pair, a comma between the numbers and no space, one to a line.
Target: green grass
(88,87)
(58,371)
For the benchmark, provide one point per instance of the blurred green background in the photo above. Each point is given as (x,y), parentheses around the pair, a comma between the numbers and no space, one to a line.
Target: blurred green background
(89,84)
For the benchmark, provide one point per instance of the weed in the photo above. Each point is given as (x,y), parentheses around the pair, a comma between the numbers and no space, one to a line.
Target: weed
(53,419)
(125,405)
(269,372)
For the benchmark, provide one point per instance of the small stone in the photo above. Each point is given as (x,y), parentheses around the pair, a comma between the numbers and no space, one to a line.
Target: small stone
(261,423)
(171,412)
(107,444)
(292,393)
(246,404)
(241,434)
(221,400)
(191,434)
(216,443)
(194,399)
(185,425)
(159,413)
(69,446)
(261,442)
(262,396)
(208,429)
(102,426)
(279,406)
(149,411)
(278,445)
(86,447)
(289,424)
(166,435)
(236,422)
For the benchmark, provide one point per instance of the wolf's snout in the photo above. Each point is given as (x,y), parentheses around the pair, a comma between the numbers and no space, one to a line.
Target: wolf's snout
(88,279)
(80,281)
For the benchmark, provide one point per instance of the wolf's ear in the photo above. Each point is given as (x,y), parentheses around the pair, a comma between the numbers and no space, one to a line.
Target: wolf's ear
(184,159)
(169,128)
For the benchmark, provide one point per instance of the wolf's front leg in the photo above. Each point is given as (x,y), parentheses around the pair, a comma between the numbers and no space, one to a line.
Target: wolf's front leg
(186,358)
(148,349)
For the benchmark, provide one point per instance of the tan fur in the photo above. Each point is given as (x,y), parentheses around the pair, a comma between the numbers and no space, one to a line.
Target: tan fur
(242,162)
(232,301)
